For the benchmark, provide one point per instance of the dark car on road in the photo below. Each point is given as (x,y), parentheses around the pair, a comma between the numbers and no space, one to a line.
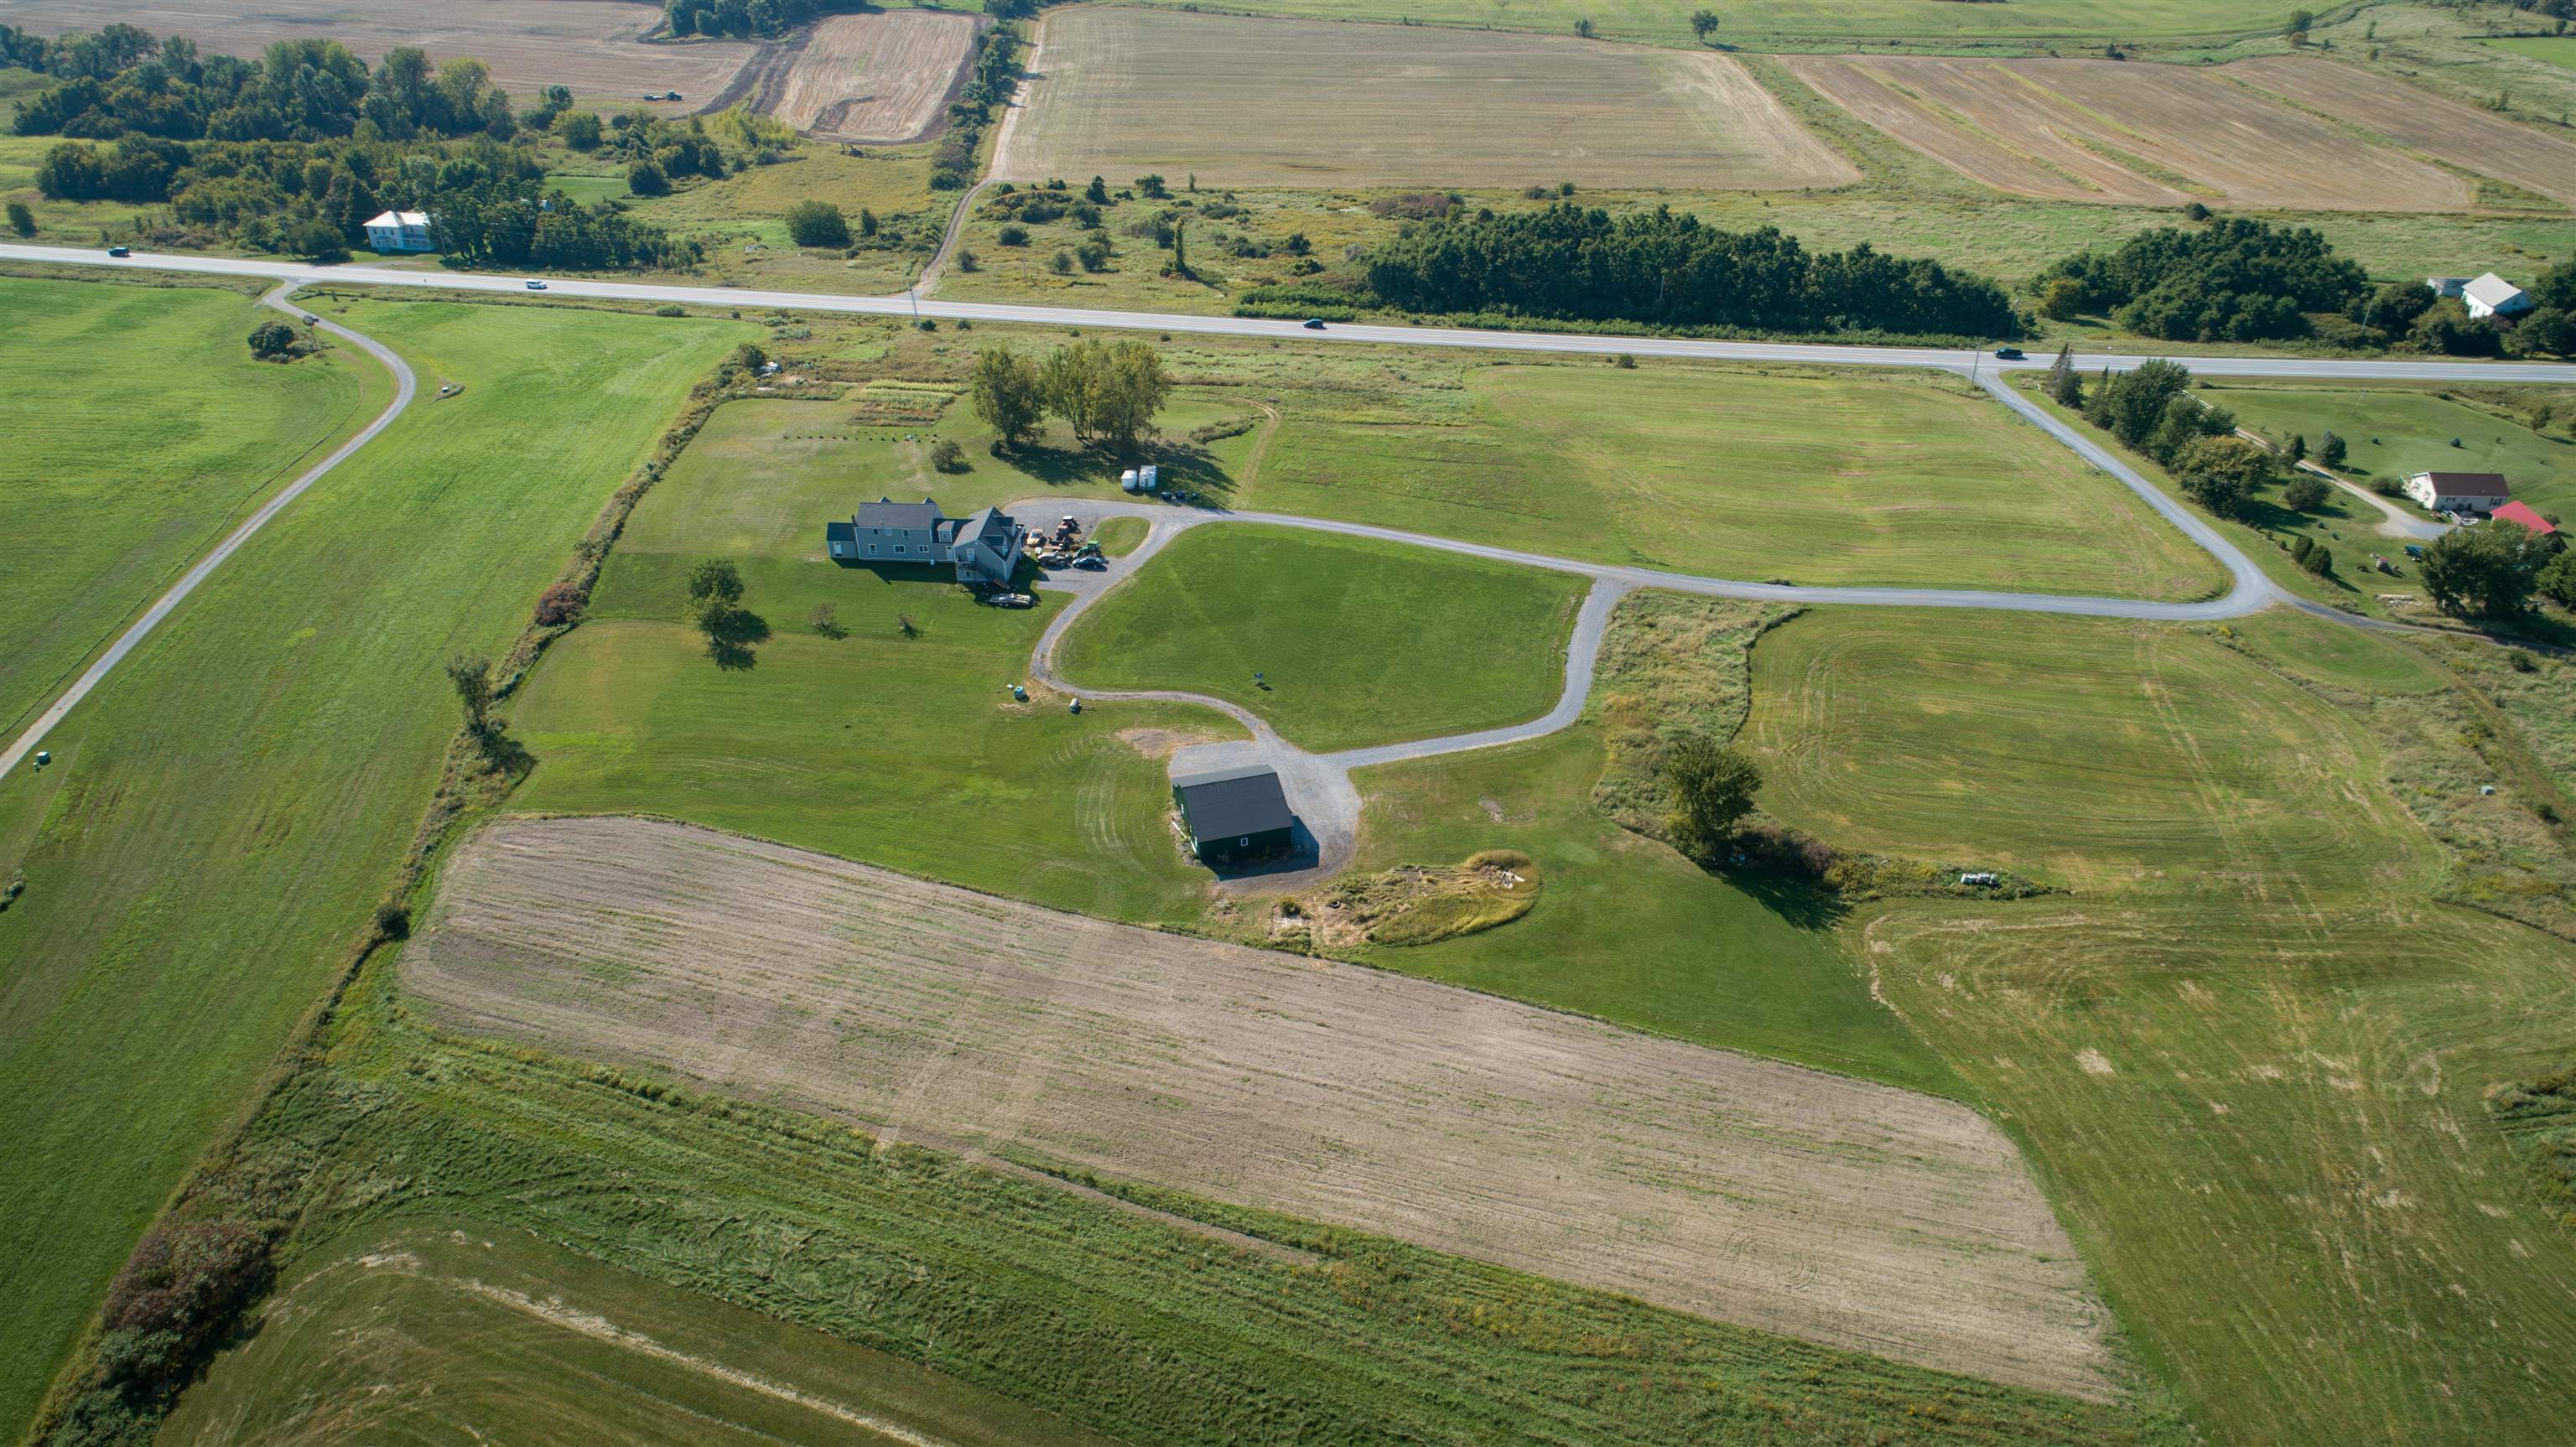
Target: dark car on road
(2009,354)
(1314,324)
(120,251)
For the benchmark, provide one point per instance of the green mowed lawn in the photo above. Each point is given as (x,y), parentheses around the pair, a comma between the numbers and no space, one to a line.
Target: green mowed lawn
(2395,432)
(1359,642)
(1625,929)
(226,810)
(455,1331)
(2093,753)
(137,431)
(1819,478)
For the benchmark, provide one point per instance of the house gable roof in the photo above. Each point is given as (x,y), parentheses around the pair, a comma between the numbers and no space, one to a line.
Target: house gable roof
(401,218)
(1234,802)
(2520,512)
(2492,291)
(887,513)
(2467,484)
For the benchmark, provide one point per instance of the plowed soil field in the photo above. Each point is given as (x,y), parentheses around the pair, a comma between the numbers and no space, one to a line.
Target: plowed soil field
(589,45)
(2462,135)
(1740,1189)
(876,78)
(1243,102)
(2136,134)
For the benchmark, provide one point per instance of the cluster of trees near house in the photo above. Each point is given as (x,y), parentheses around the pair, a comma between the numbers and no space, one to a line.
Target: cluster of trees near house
(296,150)
(2235,279)
(2152,411)
(1107,392)
(2492,571)
(1666,268)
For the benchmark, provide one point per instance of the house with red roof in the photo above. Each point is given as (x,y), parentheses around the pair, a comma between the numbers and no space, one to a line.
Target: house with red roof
(2520,512)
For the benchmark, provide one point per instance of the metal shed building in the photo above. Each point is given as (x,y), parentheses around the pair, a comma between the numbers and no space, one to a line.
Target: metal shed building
(1235,816)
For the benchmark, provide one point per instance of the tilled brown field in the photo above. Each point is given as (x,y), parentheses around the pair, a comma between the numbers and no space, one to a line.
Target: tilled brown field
(1740,1189)
(589,45)
(2140,134)
(876,78)
(1265,102)
(2465,136)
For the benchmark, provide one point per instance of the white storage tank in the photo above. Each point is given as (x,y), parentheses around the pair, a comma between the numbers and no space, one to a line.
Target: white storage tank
(1127,480)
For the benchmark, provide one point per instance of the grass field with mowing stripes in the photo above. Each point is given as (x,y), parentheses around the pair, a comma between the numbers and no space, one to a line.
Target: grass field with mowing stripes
(137,431)
(226,809)
(1820,478)
(433,1333)
(2249,1048)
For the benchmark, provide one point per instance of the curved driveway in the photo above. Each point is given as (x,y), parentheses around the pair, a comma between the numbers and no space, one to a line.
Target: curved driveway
(404,387)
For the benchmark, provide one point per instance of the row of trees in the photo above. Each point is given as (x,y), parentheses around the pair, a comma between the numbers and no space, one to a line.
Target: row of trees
(2232,279)
(1107,392)
(1666,268)
(123,82)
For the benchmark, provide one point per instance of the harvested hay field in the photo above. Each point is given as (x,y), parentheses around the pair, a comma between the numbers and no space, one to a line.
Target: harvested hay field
(1246,102)
(2123,132)
(589,45)
(1745,1190)
(876,79)
(2465,136)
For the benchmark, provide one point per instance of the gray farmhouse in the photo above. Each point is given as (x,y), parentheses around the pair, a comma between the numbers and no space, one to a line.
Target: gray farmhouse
(984,549)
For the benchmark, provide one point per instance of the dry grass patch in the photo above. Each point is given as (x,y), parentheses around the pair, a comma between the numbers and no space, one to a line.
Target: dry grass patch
(589,45)
(877,78)
(1244,102)
(2100,130)
(1740,1189)
(1415,904)
(2465,136)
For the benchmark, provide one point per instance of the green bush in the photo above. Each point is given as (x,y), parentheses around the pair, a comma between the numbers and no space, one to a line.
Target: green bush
(817,223)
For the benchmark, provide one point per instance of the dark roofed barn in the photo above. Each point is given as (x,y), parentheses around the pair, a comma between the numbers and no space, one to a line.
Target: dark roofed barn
(1235,816)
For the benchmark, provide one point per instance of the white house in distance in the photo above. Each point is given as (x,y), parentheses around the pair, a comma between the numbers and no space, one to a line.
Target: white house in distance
(2459,491)
(2485,296)
(400,231)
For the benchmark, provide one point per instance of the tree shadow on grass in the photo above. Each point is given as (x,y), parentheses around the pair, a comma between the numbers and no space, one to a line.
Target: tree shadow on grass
(1802,903)
(730,639)
(1184,465)
(503,754)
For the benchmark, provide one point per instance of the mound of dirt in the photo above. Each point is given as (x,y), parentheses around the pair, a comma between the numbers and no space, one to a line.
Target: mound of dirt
(1415,904)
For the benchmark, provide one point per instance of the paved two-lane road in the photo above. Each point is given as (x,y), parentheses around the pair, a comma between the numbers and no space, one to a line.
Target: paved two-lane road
(904,305)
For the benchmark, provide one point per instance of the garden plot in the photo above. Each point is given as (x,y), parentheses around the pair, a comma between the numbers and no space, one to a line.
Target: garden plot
(2152,135)
(1243,102)
(1741,1189)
